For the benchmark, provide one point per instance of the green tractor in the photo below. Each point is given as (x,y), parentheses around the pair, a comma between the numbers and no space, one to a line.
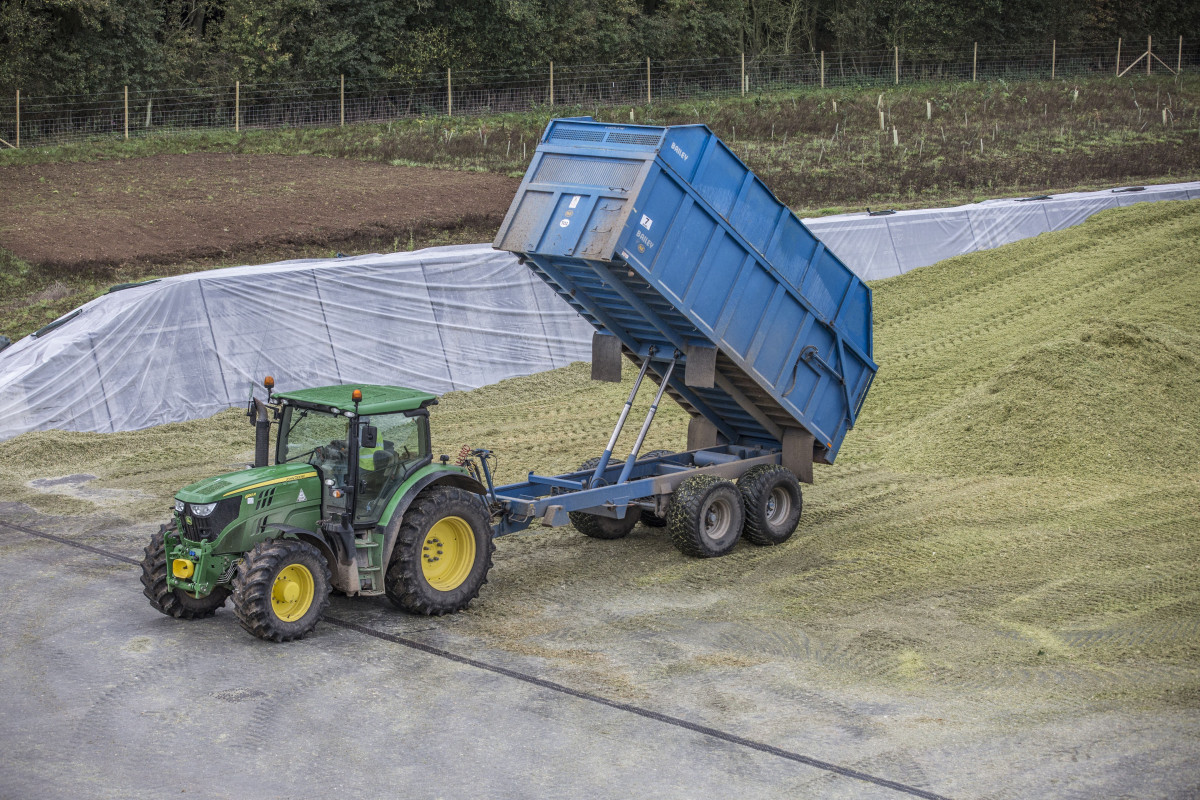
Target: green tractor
(353,502)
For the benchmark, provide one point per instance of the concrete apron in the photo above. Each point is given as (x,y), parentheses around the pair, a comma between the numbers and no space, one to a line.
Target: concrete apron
(105,697)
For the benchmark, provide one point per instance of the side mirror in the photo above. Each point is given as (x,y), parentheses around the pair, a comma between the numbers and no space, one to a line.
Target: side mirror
(368,436)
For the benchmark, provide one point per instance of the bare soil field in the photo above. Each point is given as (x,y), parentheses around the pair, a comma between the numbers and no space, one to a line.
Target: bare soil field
(169,208)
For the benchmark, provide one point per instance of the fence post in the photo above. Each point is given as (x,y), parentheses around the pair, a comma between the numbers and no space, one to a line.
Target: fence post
(647,80)
(449,95)
(897,65)
(126,112)
(342,100)
(975,62)
(822,69)
(18,137)
(237,105)
(1118,71)
(1053,56)
(551,83)
(1179,58)
(742,85)
(1149,58)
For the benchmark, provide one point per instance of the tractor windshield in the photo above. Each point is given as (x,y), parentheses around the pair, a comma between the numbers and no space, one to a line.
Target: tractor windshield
(316,437)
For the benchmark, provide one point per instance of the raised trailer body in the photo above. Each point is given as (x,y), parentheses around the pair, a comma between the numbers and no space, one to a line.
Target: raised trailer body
(688,266)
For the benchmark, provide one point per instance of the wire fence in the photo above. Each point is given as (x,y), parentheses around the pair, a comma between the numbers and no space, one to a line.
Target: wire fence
(132,111)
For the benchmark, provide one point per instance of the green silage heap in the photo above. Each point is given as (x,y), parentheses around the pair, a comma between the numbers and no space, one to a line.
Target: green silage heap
(1074,354)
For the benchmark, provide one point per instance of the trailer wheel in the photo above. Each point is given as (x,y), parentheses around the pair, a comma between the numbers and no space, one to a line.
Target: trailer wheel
(442,554)
(705,516)
(649,518)
(601,527)
(174,602)
(773,503)
(281,589)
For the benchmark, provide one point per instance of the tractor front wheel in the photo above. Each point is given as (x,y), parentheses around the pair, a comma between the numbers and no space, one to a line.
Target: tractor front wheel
(281,589)
(442,554)
(174,602)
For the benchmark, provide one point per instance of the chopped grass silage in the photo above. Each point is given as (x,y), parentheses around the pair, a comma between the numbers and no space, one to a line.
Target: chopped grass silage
(1016,512)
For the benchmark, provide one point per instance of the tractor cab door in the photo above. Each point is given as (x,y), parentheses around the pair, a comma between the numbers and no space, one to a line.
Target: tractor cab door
(401,446)
(320,438)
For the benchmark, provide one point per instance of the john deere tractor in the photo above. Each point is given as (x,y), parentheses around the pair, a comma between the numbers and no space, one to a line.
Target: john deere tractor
(354,502)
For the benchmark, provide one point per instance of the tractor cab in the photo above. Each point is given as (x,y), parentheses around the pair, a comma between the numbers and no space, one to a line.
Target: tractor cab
(362,450)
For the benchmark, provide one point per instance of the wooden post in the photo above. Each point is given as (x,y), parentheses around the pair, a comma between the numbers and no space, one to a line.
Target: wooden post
(1148,58)
(1053,56)
(1118,72)
(237,105)
(18,145)
(449,95)
(974,62)
(743,84)
(342,100)
(551,83)
(647,80)
(897,64)
(126,112)
(882,127)
(1179,58)
(928,109)
(822,69)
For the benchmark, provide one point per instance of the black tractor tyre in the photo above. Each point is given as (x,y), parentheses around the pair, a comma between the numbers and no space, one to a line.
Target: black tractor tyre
(174,602)
(773,503)
(406,582)
(601,527)
(705,516)
(649,518)
(260,598)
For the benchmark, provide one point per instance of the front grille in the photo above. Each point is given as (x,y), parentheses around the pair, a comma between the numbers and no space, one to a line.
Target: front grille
(206,529)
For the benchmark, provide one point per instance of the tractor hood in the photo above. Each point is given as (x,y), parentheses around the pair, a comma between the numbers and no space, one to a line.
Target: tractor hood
(233,483)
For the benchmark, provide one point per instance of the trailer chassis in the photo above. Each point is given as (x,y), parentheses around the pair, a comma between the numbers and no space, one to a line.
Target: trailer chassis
(616,490)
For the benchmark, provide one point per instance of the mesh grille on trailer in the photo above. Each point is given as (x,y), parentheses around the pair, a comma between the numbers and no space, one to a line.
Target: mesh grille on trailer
(614,174)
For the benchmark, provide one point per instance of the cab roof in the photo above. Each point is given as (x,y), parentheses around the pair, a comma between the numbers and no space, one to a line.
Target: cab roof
(375,399)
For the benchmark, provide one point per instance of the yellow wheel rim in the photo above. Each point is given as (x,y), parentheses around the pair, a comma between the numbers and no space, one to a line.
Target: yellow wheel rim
(292,593)
(448,553)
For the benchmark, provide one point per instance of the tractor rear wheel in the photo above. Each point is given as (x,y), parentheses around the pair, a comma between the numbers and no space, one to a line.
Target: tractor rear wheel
(773,502)
(705,516)
(174,602)
(601,527)
(649,518)
(442,554)
(281,589)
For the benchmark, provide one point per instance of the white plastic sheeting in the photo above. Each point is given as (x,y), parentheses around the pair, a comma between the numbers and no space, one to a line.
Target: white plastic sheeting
(885,246)
(186,347)
(439,319)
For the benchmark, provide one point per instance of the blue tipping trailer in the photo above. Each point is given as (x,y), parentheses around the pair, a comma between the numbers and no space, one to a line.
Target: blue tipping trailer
(688,266)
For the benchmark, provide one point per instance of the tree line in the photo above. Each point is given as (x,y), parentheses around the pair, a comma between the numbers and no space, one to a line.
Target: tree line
(80,46)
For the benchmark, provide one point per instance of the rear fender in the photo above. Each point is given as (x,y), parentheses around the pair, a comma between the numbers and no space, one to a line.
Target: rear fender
(430,476)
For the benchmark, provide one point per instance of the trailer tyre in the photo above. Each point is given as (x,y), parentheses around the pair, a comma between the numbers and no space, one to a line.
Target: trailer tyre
(649,518)
(281,589)
(173,602)
(705,516)
(443,552)
(601,527)
(773,503)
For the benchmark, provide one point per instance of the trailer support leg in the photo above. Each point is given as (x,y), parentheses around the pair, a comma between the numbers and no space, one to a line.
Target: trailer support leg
(637,446)
(612,442)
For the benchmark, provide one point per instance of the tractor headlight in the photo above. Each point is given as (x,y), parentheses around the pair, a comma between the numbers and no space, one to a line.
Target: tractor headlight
(178,506)
(202,509)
